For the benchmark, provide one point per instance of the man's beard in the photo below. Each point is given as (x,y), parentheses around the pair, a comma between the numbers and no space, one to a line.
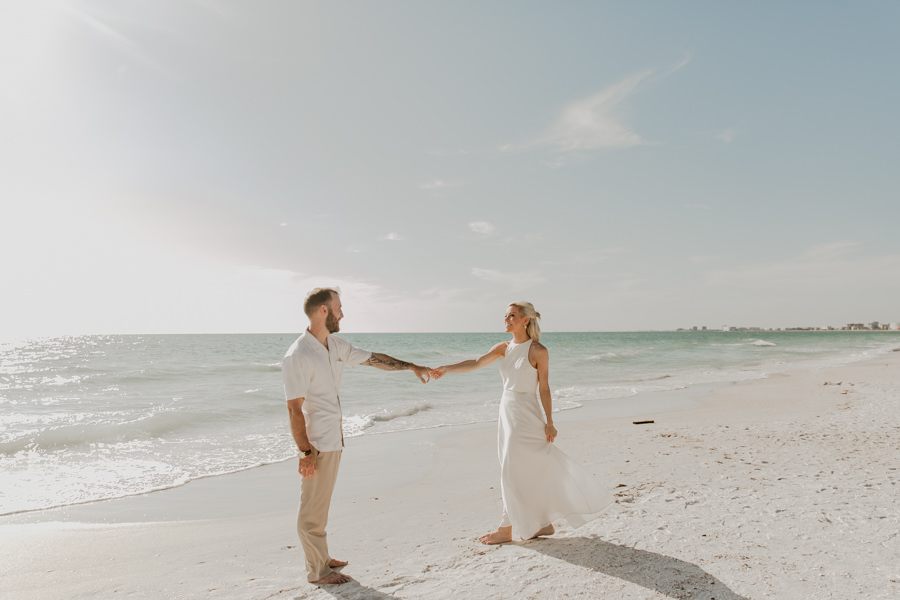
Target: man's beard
(332,323)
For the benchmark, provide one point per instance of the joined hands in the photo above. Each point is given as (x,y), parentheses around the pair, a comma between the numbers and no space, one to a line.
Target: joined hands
(426,374)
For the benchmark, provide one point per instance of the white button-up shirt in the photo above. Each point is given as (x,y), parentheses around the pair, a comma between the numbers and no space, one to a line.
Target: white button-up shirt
(313,372)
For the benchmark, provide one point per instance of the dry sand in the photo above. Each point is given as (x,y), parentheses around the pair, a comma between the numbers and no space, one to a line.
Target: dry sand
(779,488)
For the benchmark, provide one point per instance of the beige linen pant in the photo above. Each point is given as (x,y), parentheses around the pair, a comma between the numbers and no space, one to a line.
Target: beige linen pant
(312,517)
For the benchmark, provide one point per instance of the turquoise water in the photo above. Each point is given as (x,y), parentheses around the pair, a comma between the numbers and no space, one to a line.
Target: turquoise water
(94,417)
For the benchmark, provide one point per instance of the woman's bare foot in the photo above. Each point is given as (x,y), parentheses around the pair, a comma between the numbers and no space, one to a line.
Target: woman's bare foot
(333,578)
(335,563)
(548,530)
(501,536)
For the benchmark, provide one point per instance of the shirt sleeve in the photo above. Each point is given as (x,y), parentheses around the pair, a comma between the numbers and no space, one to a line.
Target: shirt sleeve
(351,355)
(296,379)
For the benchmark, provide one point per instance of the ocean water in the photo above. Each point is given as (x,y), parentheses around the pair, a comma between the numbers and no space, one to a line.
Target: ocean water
(97,417)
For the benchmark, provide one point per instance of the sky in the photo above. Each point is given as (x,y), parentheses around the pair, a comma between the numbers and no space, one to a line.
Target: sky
(196,166)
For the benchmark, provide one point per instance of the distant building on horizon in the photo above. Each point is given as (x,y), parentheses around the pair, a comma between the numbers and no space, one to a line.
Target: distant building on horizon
(871,326)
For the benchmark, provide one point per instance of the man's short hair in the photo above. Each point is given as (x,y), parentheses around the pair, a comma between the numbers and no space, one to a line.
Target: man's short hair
(318,297)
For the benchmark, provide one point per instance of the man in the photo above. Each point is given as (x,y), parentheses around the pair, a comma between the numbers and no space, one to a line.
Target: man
(312,370)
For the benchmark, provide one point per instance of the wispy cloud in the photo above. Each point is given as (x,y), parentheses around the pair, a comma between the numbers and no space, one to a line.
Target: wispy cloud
(591,123)
(680,65)
(726,136)
(120,41)
(439,186)
(392,237)
(481,227)
(831,250)
(595,122)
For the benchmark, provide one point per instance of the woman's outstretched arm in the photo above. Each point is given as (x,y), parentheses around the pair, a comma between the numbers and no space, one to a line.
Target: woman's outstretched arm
(498,351)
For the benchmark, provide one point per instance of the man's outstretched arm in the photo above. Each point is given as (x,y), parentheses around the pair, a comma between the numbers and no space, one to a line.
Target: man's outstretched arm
(389,363)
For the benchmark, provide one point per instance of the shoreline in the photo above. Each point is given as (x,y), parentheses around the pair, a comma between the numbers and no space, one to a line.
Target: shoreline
(637,405)
(359,471)
(770,488)
(623,399)
(141,506)
(674,399)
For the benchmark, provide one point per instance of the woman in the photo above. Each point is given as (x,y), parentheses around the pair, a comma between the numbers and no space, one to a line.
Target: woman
(538,481)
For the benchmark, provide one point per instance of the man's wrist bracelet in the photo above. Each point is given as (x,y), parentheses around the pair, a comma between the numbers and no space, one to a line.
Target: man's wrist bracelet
(304,453)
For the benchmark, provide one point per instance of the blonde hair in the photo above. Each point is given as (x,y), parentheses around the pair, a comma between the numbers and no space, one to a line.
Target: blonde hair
(533,329)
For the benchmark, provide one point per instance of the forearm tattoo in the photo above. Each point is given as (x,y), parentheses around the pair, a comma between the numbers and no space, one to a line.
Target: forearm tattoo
(387,363)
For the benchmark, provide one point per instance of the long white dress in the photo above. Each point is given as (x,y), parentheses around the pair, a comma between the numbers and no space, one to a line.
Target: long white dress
(540,483)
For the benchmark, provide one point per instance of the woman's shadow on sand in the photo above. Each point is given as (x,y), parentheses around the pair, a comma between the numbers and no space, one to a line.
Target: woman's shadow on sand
(664,574)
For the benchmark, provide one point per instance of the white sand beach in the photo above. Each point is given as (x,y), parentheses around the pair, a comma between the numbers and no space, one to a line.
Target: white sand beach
(779,488)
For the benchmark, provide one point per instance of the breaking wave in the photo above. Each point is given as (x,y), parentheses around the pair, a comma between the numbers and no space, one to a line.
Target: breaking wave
(357,424)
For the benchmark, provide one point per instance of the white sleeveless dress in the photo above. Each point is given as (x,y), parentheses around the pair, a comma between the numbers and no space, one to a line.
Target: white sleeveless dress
(539,482)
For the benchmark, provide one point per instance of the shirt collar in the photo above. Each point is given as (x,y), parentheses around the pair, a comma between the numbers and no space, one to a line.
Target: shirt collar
(310,340)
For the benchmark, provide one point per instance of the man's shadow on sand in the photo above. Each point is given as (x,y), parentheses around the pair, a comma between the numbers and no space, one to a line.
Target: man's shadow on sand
(664,574)
(354,590)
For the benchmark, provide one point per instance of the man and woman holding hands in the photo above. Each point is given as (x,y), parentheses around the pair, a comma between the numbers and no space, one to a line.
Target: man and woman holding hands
(539,483)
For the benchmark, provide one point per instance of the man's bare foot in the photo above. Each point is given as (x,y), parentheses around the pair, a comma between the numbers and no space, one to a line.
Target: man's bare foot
(333,578)
(501,536)
(548,530)
(335,563)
